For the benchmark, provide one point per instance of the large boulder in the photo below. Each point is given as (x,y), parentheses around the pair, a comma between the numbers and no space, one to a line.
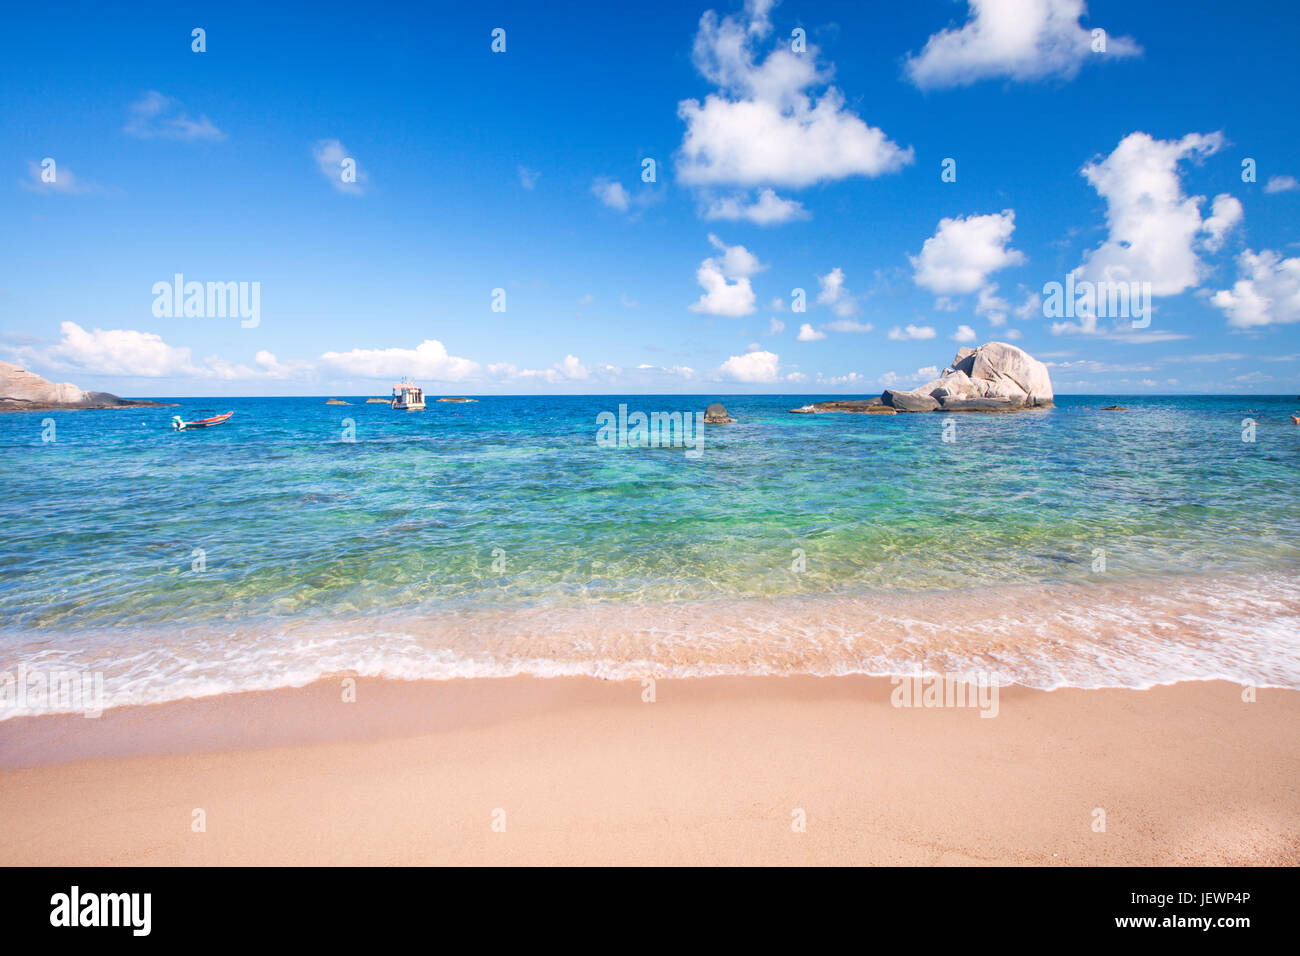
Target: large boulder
(716,414)
(19,385)
(915,401)
(994,377)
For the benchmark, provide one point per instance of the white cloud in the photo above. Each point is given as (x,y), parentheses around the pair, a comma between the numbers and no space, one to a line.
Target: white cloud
(850,378)
(1022,39)
(572,368)
(775,327)
(808,334)
(725,281)
(1281,184)
(921,375)
(752,367)
(528,177)
(834,295)
(767,210)
(612,194)
(335,162)
(911,333)
(1267,292)
(765,125)
(155,116)
(992,306)
(964,333)
(119,352)
(428,360)
(1154,227)
(1225,214)
(962,253)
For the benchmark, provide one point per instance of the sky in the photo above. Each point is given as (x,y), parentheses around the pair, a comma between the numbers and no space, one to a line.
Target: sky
(571,198)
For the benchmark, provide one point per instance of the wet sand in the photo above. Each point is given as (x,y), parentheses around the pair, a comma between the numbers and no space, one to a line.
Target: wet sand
(713,771)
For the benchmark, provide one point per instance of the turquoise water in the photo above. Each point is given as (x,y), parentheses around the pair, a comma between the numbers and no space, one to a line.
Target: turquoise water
(121,527)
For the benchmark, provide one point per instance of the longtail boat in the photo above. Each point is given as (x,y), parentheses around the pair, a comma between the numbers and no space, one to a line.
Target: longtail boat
(180,424)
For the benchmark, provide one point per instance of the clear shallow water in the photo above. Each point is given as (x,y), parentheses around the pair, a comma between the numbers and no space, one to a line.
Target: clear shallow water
(459,532)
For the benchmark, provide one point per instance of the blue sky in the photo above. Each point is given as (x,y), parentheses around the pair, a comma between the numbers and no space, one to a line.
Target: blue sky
(776,169)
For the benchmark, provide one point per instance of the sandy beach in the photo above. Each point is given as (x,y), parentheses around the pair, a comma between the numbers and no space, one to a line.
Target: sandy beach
(713,771)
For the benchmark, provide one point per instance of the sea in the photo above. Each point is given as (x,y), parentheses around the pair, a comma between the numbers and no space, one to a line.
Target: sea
(1065,547)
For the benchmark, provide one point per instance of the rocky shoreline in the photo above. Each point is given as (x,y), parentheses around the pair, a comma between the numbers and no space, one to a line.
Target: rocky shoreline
(24,391)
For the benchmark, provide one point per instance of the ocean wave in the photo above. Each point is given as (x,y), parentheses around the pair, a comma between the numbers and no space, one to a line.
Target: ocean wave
(1134,634)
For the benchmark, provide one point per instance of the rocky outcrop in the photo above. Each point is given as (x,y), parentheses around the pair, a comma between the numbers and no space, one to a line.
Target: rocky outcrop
(996,377)
(24,391)
(458,399)
(716,414)
(848,406)
(336,401)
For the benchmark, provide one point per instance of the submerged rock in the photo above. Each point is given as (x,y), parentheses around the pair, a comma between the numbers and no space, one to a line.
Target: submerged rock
(716,414)
(849,406)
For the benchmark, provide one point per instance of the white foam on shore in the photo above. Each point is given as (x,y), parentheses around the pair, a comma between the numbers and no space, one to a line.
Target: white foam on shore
(1134,634)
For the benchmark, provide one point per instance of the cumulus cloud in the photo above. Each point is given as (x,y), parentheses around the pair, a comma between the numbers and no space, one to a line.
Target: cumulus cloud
(155,116)
(123,352)
(1022,39)
(1155,230)
(767,210)
(752,367)
(528,177)
(775,326)
(1225,214)
(766,125)
(725,280)
(911,333)
(339,167)
(428,360)
(128,353)
(808,334)
(834,295)
(964,333)
(1281,184)
(1267,292)
(962,253)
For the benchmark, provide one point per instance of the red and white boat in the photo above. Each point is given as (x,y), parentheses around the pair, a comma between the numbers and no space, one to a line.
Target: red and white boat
(181,425)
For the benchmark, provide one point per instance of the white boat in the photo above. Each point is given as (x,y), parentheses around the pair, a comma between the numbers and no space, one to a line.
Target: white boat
(408,396)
